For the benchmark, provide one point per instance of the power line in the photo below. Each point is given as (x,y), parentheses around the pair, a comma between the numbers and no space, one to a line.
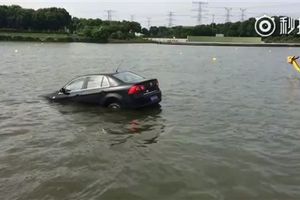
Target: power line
(228,14)
(132,18)
(199,10)
(109,14)
(149,22)
(213,18)
(243,16)
(170,19)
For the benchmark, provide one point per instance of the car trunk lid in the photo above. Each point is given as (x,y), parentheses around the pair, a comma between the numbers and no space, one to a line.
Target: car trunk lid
(150,85)
(144,87)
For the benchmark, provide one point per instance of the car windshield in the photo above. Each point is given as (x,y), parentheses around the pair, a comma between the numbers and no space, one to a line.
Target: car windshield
(129,77)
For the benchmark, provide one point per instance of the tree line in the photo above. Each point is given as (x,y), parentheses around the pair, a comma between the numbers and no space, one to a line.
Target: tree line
(16,18)
(46,19)
(237,29)
(98,29)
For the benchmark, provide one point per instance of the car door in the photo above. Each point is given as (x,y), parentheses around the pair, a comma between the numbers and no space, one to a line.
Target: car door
(94,89)
(74,89)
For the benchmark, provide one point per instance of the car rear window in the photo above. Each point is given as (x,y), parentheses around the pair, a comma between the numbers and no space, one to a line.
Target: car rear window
(129,77)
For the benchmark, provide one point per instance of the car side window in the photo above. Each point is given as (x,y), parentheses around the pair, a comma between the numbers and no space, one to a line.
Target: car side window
(94,82)
(105,82)
(75,85)
(112,82)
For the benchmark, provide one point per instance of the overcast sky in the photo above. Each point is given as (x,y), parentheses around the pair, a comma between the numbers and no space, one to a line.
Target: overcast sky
(158,10)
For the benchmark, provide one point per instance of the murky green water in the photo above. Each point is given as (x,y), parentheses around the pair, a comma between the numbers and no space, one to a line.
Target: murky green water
(227,129)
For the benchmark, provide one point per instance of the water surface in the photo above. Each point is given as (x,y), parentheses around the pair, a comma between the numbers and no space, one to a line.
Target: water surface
(227,129)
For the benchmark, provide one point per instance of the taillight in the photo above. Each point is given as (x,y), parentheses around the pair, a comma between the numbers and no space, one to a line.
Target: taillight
(136,89)
(142,88)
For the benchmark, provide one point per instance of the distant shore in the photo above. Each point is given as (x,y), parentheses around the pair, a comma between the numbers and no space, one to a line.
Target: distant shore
(60,37)
(232,44)
(236,42)
(63,37)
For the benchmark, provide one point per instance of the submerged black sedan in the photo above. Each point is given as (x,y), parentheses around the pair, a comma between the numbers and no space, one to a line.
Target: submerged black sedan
(114,90)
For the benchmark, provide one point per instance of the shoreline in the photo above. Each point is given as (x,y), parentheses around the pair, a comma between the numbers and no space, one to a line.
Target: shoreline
(231,44)
(63,38)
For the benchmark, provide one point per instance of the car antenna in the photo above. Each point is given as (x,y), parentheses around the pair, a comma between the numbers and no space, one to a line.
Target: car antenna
(117,70)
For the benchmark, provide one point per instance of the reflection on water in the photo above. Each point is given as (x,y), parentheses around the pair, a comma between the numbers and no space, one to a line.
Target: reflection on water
(123,124)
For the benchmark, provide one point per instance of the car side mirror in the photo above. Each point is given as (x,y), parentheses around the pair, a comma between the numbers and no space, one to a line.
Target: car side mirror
(65,91)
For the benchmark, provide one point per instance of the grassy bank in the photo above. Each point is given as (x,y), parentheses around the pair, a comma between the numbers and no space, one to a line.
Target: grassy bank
(43,37)
(232,44)
(246,40)
(283,39)
(60,37)
(135,40)
(211,41)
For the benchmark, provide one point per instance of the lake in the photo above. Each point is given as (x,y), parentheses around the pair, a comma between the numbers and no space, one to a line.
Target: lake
(228,128)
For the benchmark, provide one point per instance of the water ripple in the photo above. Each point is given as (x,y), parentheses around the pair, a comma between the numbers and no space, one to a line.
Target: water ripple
(226,130)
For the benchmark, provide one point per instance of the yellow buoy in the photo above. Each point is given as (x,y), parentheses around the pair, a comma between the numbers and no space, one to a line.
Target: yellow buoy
(293,60)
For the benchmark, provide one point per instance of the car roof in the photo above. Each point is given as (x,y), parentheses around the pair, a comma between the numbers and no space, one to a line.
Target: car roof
(102,74)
